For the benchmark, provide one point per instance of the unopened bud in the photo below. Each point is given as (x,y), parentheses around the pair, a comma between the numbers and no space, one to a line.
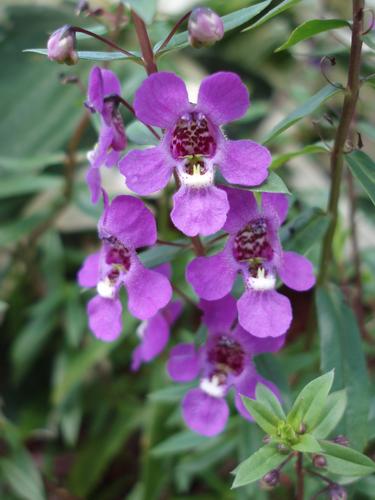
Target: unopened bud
(283,448)
(266,439)
(205,27)
(319,461)
(341,439)
(61,46)
(302,428)
(337,492)
(272,478)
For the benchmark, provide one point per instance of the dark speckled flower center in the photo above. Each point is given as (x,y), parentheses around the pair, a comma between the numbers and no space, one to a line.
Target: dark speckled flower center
(227,355)
(192,137)
(118,256)
(251,243)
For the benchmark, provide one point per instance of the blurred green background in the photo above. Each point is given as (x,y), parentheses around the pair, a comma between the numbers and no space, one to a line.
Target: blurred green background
(74,421)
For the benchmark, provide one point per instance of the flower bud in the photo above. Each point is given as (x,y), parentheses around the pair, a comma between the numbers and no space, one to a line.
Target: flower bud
(319,461)
(205,27)
(340,439)
(272,478)
(61,46)
(337,492)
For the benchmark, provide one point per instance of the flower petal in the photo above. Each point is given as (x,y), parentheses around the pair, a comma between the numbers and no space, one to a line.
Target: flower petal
(183,364)
(243,162)
(130,221)
(296,272)
(223,97)
(95,91)
(172,311)
(148,291)
(243,207)
(203,413)
(146,170)
(218,315)
(276,203)
(94,182)
(111,83)
(88,275)
(161,99)
(155,338)
(256,345)
(212,277)
(264,314)
(199,210)
(105,318)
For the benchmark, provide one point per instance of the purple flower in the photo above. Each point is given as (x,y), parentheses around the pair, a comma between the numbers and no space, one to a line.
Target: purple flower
(154,332)
(224,362)
(194,144)
(61,46)
(205,27)
(102,97)
(253,249)
(126,224)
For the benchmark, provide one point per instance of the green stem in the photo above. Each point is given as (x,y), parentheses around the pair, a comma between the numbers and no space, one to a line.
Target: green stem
(337,155)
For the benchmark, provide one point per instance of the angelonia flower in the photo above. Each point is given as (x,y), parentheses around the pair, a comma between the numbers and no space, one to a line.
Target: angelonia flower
(104,88)
(223,363)
(253,249)
(205,27)
(126,224)
(61,46)
(195,147)
(154,332)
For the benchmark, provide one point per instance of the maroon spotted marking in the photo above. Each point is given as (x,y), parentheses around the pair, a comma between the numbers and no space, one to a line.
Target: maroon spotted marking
(118,255)
(228,354)
(252,242)
(192,136)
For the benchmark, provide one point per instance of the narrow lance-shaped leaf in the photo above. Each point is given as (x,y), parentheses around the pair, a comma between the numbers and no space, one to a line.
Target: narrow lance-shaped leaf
(92,55)
(333,413)
(311,28)
(345,461)
(363,169)
(286,4)
(262,415)
(307,444)
(280,160)
(267,397)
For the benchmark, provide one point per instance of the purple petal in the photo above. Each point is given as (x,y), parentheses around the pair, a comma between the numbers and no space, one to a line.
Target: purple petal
(223,97)
(148,291)
(296,272)
(218,315)
(203,413)
(155,338)
(199,210)
(161,99)
(94,183)
(264,314)
(88,275)
(183,364)
(212,277)
(256,345)
(172,311)
(275,203)
(130,221)
(95,91)
(105,318)
(111,84)
(147,170)
(243,207)
(164,269)
(243,162)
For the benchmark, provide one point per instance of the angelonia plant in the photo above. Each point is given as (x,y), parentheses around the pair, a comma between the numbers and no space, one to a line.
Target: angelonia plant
(226,211)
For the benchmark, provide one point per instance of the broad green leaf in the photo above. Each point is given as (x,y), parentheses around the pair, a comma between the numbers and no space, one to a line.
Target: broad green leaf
(345,461)
(146,9)
(230,21)
(24,485)
(286,4)
(309,405)
(92,55)
(307,444)
(308,29)
(333,413)
(262,415)
(178,443)
(281,159)
(305,109)
(267,397)
(159,254)
(341,349)
(257,465)
(138,133)
(16,185)
(363,169)
(273,184)
(308,229)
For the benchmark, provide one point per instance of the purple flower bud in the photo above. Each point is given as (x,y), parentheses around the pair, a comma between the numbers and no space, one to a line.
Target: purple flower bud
(340,439)
(319,461)
(272,478)
(205,27)
(337,492)
(61,46)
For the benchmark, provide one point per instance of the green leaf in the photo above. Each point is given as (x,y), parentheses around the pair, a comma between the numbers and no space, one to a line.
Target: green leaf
(93,55)
(257,465)
(308,229)
(345,461)
(309,405)
(14,231)
(30,163)
(273,184)
(333,413)
(305,109)
(159,254)
(369,39)
(230,21)
(146,9)
(286,4)
(138,133)
(280,160)
(262,415)
(307,444)
(363,169)
(341,348)
(264,395)
(308,29)
(178,443)
(25,485)
(16,185)
(170,394)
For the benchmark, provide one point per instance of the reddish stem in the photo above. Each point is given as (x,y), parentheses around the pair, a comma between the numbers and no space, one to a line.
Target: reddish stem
(78,29)
(172,33)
